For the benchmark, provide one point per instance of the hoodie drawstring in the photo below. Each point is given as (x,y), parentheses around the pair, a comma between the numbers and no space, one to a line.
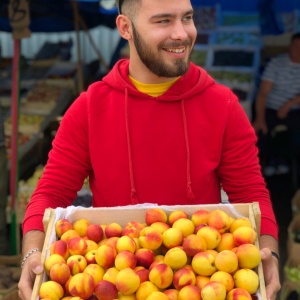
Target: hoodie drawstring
(189,190)
(133,196)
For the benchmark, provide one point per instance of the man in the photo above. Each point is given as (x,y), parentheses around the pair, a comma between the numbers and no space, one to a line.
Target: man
(278,107)
(156,129)
(3,189)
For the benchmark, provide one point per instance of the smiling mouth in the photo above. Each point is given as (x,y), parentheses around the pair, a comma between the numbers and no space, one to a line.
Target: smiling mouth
(175,50)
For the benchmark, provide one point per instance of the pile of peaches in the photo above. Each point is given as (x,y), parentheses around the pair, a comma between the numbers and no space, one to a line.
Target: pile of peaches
(205,256)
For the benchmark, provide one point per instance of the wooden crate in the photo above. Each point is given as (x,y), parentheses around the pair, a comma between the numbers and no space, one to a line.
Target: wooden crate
(124,214)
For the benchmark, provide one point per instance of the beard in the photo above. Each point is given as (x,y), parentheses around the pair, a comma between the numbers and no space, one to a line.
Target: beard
(155,63)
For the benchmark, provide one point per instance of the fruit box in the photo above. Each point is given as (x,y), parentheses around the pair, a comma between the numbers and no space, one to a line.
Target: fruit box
(124,214)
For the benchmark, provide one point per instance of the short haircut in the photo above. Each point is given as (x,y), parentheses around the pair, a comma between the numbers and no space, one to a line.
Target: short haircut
(128,7)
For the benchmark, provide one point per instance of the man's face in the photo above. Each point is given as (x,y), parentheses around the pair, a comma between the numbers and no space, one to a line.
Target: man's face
(164,35)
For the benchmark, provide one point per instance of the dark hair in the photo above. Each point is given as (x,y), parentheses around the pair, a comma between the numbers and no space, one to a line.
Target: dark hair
(295,36)
(119,4)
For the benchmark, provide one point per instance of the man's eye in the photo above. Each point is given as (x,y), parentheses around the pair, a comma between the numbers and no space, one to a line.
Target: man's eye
(163,21)
(188,18)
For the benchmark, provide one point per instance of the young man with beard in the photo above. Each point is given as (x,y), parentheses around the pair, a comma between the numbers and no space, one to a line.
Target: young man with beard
(156,129)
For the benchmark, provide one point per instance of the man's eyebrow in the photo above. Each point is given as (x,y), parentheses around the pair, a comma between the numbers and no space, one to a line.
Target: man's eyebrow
(161,16)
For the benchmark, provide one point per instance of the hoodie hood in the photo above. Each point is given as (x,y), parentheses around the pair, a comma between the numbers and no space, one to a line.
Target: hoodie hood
(195,81)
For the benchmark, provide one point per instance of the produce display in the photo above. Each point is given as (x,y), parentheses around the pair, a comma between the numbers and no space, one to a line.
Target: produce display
(28,124)
(41,99)
(206,255)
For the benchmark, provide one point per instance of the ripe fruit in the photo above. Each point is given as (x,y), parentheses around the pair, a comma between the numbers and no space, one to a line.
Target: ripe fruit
(246,279)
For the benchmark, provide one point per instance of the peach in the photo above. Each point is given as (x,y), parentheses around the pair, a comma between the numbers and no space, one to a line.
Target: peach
(60,247)
(155,215)
(171,293)
(203,263)
(91,245)
(127,281)
(126,243)
(227,242)
(213,290)
(226,261)
(212,251)
(51,290)
(132,229)
(52,260)
(157,296)
(190,292)
(66,287)
(193,244)
(199,217)
(81,226)
(161,275)
(156,262)
(176,258)
(172,237)
(142,272)
(199,227)
(246,279)
(125,259)
(95,271)
(175,215)
(77,245)
(183,277)
(248,256)
(201,281)
(126,297)
(76,263)
(239,222)
(160,226)
(219,219)
(150,238)
(105,256)
(60,273)
(90,257)
(113,230)
(111,274)
(95,233)
(238,294)
(106,290)
(211,236)
(145,289)
(244,235)
(144,257)
(224,278)
(112,241)
(61,226)
(82,285)
(69,235)
(186,226)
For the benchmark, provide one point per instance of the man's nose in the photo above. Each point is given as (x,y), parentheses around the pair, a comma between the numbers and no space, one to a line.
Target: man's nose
(179,31)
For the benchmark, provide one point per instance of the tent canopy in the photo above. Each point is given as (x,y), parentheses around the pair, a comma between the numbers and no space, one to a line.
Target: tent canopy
(57,15)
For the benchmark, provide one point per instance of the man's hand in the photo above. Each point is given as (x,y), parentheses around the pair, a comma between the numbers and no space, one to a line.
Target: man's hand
(31,268)
(271,273)
(260,126)
(284,110)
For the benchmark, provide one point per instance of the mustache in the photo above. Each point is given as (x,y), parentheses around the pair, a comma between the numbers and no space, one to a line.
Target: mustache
(176,44)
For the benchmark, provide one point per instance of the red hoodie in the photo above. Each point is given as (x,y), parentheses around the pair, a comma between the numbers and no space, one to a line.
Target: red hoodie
(173,149)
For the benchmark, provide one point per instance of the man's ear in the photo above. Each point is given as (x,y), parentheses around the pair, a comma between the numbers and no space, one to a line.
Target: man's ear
(124,25)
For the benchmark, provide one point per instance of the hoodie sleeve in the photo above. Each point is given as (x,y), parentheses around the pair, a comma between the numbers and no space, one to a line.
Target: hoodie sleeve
(239,168)
(67,167)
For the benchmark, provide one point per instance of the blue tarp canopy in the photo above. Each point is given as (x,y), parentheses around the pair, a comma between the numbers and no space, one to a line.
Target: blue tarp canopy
(57,15)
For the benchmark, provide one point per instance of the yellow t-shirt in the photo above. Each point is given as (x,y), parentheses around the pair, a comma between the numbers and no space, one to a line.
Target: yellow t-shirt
(153,90)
